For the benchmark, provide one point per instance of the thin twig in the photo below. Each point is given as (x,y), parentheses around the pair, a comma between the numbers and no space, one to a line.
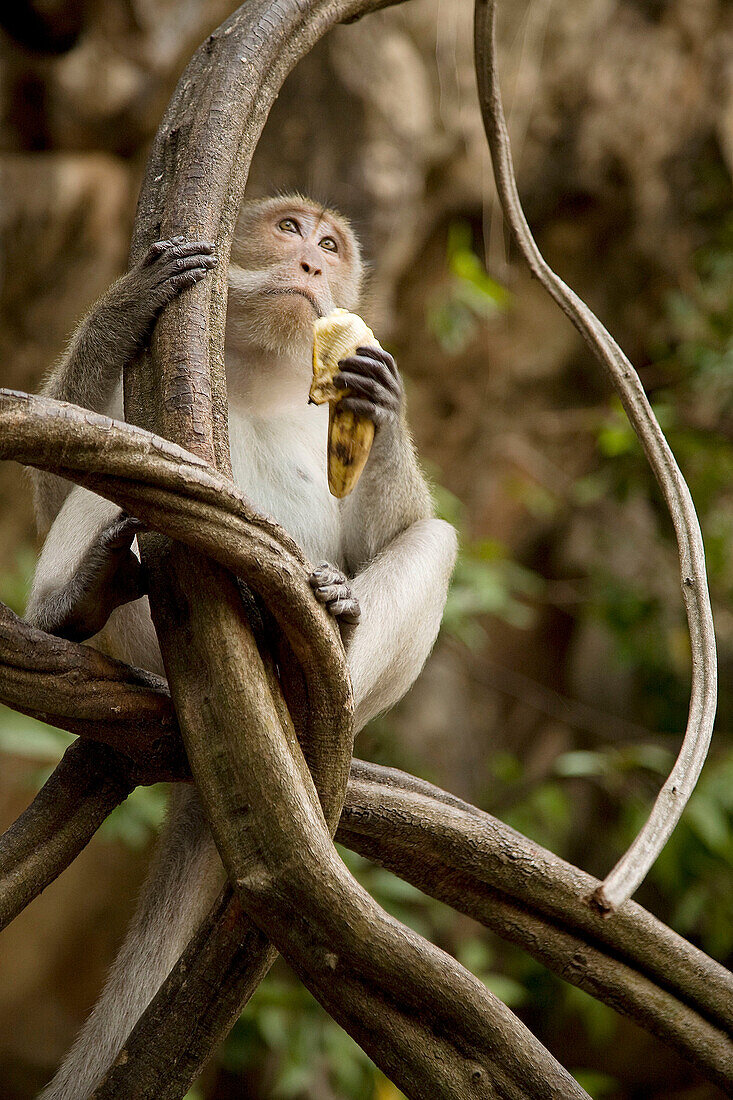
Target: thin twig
(631,869)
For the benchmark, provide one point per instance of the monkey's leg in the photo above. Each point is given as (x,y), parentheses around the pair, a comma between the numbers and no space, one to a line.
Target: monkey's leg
(113,331)
(401,594)
(182,883)
(76,605)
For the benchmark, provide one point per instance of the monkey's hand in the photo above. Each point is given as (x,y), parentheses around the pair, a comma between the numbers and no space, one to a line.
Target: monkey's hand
(171,266)
(374,386)
(109,575)
(134,301)
(331,588)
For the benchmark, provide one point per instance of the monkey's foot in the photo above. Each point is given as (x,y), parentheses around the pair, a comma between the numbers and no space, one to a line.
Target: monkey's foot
(110,574)
(330,587)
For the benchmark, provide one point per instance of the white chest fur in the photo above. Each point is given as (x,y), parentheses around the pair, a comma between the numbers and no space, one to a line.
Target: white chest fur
(279,463)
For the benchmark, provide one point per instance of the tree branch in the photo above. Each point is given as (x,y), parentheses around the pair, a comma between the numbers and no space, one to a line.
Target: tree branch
(389,804)
(483,868)
(88,783)
(631,869)
(224,691)
(77,688)
(466,858)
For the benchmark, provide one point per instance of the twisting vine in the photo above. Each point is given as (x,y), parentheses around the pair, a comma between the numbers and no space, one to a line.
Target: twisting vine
(285,756)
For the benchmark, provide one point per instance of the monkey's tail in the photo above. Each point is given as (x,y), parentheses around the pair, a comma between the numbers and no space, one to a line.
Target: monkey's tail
(181,884)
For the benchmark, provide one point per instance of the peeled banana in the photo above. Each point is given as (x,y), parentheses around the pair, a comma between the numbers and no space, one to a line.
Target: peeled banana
(337,336)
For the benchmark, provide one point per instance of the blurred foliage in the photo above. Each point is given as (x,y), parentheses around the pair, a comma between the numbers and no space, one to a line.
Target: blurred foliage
(454,317)
(486,581)
(284,1035)
(15,583)
(135,822)
(696,341)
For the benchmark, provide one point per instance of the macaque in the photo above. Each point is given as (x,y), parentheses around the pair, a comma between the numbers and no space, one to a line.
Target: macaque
(382,561)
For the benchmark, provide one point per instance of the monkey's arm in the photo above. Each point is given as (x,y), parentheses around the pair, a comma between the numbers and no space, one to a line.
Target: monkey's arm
(399,556)
(117,326)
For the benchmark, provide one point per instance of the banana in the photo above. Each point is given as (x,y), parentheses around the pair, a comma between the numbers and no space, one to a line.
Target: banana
(337,336)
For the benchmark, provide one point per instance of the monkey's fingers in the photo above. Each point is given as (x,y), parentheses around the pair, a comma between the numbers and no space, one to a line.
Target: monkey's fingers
(382,356)
(331,587)
(367,367)
(327,593)
(345,610)
(365,409)
(177,248)
(120,534)
(175,274)
(175,266)
(326,573)
(188,278)
(359,385)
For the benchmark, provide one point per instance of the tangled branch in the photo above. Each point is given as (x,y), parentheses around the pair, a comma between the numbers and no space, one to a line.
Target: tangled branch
(270,748)
(432,839)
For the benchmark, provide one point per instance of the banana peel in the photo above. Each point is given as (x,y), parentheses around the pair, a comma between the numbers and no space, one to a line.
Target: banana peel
(337,336)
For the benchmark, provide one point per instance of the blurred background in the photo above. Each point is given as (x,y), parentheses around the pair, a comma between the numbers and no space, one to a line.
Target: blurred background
(556,696)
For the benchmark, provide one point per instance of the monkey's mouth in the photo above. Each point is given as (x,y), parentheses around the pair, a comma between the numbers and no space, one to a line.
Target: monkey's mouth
(299,293)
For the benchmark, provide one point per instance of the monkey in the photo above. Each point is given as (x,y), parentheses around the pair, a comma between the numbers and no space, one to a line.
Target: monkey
(383,561)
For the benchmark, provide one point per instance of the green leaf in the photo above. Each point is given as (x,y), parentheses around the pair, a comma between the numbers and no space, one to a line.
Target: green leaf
(468,267)
(506,989)
(581,763)
(710,823)
(24,736)
(597,1085)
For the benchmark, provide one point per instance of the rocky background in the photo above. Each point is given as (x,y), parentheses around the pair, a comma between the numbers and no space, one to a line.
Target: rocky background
(557,692)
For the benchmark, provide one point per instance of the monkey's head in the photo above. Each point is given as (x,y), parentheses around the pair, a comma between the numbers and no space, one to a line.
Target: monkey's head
(292,261)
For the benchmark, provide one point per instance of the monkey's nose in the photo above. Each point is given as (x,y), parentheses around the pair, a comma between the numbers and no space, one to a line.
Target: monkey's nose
(309,269)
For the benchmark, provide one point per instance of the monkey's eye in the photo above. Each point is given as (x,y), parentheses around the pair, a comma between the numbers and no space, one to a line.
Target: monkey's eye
(329,244)
(289,225)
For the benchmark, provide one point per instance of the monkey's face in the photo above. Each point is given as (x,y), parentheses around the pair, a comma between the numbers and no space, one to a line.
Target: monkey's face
(292,262)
